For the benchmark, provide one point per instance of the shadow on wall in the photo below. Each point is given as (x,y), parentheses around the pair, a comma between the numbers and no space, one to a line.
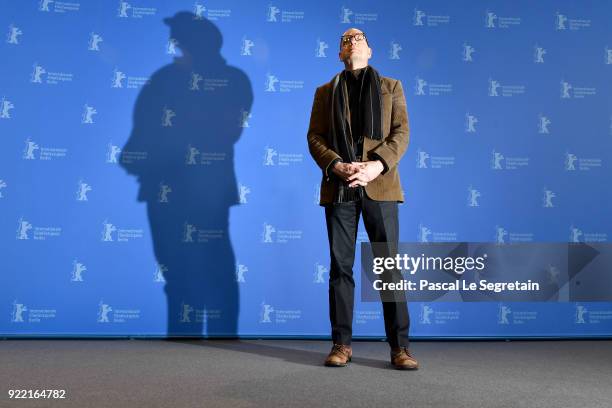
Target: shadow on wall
(188,119)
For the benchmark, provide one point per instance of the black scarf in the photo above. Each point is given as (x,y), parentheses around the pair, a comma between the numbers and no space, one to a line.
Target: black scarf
(341,140)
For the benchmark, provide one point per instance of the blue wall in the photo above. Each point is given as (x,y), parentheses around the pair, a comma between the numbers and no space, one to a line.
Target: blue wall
(145,193)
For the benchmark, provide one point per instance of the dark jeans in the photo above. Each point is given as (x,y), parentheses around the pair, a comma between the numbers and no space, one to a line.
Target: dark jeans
(381,222)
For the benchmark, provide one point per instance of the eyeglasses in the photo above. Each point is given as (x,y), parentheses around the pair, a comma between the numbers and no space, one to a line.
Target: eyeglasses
(347,39)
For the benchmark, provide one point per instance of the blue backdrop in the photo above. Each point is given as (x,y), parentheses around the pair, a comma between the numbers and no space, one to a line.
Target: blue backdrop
(155,177)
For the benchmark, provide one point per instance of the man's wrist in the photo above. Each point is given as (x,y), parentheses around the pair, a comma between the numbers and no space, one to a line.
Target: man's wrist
(380,166)
(378,158)
(335,164)
(331,166)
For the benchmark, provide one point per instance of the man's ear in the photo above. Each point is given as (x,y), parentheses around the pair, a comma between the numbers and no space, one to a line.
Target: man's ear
(340,55)
(369,52)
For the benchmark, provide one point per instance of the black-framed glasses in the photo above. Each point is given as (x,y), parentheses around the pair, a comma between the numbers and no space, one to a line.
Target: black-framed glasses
(347,39)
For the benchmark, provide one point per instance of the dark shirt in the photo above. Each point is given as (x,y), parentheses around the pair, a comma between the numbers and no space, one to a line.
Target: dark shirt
(353,84)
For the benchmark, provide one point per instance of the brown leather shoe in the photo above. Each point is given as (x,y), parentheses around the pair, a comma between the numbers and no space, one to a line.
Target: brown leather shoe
(339,356)
(402,359)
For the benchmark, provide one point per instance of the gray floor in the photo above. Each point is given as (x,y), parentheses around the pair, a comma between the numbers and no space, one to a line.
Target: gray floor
(271,373)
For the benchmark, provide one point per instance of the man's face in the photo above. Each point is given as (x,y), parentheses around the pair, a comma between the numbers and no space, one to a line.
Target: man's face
(355,51)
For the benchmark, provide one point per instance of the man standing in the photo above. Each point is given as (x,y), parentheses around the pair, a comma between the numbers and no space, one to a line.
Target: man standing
(358,133)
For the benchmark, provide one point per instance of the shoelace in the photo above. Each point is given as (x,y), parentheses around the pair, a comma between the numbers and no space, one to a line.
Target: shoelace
(340,349)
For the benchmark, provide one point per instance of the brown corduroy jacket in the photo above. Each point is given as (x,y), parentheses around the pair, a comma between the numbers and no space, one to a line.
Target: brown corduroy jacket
(396,131)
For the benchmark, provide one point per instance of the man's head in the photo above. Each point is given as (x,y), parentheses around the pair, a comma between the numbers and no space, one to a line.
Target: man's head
(354,48)
(199,36)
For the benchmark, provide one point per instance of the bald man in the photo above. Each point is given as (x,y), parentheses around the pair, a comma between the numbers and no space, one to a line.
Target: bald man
(357,135)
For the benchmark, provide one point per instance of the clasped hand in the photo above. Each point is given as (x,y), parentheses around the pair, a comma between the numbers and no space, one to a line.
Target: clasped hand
(358,173)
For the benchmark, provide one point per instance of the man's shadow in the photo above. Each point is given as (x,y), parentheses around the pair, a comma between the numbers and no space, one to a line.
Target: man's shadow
(188,118)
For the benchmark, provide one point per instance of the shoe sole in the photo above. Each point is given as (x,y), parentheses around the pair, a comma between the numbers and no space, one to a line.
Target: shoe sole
(404,367)
(338,364)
